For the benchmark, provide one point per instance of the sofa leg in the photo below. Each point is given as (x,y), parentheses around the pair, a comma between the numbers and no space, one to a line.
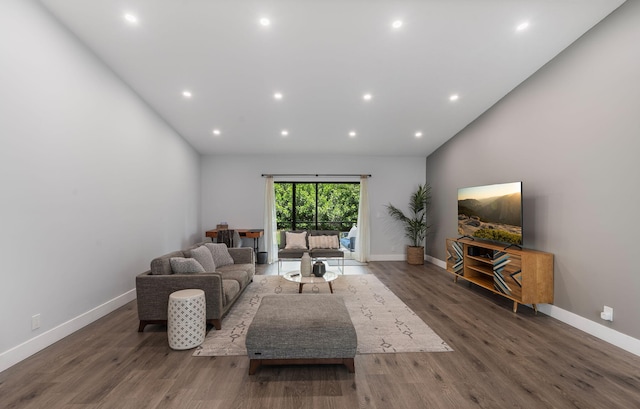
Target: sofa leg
(254,364)
(217,324)
(144,323)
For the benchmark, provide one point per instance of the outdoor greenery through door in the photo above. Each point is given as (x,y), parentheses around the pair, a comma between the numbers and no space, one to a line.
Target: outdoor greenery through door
(316,206)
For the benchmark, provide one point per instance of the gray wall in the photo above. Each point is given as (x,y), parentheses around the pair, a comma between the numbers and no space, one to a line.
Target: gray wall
(571,134)
(233,190)
(94,184)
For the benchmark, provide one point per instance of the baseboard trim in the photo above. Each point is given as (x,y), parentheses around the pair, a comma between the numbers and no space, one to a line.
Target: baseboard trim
(609,335)
(436,261)
(403,257)
(40,342)
(387,257)
(600,331)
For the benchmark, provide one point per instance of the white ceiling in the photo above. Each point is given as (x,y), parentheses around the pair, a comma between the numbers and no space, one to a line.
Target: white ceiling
(323,56)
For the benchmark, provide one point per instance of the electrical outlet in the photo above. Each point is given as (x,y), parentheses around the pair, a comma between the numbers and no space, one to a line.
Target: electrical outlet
(35,322)
(607,314)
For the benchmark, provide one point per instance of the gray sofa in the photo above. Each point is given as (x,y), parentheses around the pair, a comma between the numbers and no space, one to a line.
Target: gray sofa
(288,254)
(222,287)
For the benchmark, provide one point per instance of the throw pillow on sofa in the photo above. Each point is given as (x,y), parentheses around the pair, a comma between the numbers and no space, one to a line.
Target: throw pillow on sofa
(220,253)
(181,265)
(324,242)
(203,256)
(296,240)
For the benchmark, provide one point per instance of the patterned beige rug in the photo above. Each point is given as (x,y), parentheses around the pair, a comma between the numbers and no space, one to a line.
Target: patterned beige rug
(383,323)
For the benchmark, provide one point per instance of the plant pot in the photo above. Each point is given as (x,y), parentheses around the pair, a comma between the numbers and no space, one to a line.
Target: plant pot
(415,255)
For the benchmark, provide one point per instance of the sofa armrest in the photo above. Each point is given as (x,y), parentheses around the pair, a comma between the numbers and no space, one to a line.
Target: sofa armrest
(153,293)
(242,255)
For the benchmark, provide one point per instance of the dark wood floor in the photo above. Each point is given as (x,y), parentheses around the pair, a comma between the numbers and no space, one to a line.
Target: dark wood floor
(501,360)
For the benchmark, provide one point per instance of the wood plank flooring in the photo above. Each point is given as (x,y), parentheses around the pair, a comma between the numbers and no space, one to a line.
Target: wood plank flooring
(500,360)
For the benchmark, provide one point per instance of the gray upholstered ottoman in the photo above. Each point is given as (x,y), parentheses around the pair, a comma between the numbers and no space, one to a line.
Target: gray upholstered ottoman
(301,329)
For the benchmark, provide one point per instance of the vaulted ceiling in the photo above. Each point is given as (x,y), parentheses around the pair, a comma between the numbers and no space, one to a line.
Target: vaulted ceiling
(332,76)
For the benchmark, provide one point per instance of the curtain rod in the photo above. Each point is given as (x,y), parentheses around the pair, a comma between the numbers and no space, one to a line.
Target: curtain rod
(264,175)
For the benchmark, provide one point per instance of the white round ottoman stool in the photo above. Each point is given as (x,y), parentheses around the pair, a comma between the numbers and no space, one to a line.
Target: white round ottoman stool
(186,319)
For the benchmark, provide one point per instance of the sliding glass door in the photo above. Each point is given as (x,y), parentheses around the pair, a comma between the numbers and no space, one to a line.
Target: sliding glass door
(316,206)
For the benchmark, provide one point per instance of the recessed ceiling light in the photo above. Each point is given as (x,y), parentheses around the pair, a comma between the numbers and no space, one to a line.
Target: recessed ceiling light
(397,24)
(367,97)
(265,22)
(277,95)
(131,18)
(352,134)
(522,26)
(216,132)
(454,97)
(418,134)
(284,132)
(186,94)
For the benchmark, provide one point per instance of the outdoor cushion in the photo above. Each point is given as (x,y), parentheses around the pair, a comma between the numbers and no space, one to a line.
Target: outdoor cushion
(296,240)
(291,253)
(327,253)
(323,242)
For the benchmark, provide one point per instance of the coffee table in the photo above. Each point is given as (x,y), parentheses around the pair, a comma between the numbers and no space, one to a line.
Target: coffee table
(296,277)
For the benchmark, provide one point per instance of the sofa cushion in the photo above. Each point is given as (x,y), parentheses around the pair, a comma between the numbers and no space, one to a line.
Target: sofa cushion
(323,242)
(296,240)
(220,253)
(243,255)
(203,255)
(231,288)
(240,275)
(194,246)
(162,265)
(181,265)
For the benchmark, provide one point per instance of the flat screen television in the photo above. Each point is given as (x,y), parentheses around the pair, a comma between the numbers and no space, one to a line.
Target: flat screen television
(491,212)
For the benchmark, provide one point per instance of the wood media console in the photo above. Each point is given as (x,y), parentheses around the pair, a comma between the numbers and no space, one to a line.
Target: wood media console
(521,275)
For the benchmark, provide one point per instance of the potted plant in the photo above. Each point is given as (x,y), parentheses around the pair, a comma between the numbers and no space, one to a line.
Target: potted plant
(415,224)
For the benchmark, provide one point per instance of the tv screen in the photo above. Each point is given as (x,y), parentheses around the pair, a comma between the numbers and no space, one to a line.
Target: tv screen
(491,212)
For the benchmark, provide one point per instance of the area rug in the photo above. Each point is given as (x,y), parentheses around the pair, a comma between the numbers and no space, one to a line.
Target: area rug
(383,323)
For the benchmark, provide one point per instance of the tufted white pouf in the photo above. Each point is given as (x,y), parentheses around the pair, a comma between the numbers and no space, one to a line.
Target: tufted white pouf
(186,319)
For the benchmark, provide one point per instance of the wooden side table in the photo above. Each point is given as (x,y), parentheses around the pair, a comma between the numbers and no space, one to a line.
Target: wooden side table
(254,234)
